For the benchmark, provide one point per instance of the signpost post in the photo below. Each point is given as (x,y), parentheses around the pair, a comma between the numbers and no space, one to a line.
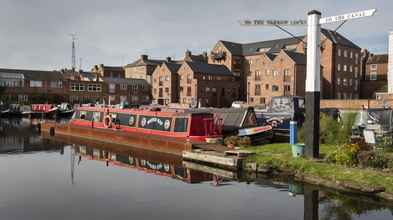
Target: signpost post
(313,74)
(313,85)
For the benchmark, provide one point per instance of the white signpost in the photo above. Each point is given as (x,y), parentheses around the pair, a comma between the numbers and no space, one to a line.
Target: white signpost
(313,80)
(349,16)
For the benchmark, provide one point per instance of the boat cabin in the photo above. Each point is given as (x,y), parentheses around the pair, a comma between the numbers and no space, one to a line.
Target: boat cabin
(193,126)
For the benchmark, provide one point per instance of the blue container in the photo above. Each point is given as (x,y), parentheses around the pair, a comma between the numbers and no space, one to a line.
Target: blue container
(292,132)
(297,150)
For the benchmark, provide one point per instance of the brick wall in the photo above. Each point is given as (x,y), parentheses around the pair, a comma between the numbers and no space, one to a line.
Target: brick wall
(355,104)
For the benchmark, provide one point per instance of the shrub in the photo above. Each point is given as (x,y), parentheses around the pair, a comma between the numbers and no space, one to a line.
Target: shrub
(345,155)
(237,141)
(332,131)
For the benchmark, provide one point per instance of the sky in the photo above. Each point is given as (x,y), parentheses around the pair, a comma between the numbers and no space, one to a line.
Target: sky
(35,34)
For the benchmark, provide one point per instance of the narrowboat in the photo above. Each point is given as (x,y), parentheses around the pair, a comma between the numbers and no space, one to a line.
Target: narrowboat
(42,110)
(167,131)
(65,110)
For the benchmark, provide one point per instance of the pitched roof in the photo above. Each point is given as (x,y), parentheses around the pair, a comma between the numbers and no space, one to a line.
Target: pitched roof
(378,58)
(271,46)
(274,46)
(201,67)
(173,67)
(298,58)
(235,48)
(141,62)
(34,74)
(337,38)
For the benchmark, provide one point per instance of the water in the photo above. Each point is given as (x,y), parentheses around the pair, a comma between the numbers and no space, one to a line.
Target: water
(42,179)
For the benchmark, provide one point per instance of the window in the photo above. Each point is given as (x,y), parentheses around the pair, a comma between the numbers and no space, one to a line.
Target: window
(338,95)
(286,72)
(56,84)
(127,120)
(339,52)
(181,124)
(356,72)
(123,86)
(257,75)
(257,90)
(267,86)
(287,88)
(154,91)
(97,116)
(374,67)
(345,53)
(350,68)
(356,58)
(35,83)
(275,73)
(250,61)
(112,88)
(275,88)
(189,78)
(188,91)
(356,84)
(338,81)
(262,100)
(338,67)
(373,75)
(350,82)
(345,82)
(167,90)
(267,72)
(350,55)
(345,68)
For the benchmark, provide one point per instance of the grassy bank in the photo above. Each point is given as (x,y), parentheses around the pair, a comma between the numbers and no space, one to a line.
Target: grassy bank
(279,157)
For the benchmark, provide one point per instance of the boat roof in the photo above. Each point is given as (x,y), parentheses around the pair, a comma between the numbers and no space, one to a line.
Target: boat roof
(162,112)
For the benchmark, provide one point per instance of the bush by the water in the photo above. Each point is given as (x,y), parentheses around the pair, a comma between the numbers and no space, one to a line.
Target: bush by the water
(237,141)
(332,131)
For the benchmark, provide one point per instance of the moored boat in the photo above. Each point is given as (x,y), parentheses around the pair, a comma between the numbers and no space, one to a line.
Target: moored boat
(42,110)
(166,131)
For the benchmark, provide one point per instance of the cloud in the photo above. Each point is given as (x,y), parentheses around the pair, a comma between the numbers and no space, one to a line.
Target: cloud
(35,34)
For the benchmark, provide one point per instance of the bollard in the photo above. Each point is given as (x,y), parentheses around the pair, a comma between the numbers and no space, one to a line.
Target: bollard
(292,132)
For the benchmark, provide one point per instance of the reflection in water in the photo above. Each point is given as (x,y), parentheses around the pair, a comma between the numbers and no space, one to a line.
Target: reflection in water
(109,181)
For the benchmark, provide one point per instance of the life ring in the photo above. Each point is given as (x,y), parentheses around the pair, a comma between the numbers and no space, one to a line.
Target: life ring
(108,121)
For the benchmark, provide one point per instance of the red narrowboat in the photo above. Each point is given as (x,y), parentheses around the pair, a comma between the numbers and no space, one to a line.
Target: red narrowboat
(166,131)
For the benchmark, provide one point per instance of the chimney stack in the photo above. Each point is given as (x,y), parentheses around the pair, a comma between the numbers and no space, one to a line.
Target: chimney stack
(169,59)
(187,55)
(144,57)
(390,64)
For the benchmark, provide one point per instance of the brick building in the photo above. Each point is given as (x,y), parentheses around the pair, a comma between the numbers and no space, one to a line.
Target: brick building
(108,71)
(127,90)
(375,76)
(165,86)
(340,62)
(143,68)
(272,75)
(30,86)
(207,85)
(83,87)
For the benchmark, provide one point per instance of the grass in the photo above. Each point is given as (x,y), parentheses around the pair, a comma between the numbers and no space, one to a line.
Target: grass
(279,156)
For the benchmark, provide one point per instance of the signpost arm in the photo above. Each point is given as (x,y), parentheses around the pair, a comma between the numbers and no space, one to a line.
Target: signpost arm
(313,85)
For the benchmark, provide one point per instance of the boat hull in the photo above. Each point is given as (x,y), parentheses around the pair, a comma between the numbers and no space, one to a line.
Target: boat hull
(116,136)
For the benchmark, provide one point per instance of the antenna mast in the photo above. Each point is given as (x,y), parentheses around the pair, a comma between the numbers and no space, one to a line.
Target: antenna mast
(73,56)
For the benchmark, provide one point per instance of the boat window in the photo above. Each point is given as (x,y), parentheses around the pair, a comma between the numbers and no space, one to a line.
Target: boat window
(127,120)
(89,116)
(97,116)
(181,124)
(76,115)
(82,115)
(155,123)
